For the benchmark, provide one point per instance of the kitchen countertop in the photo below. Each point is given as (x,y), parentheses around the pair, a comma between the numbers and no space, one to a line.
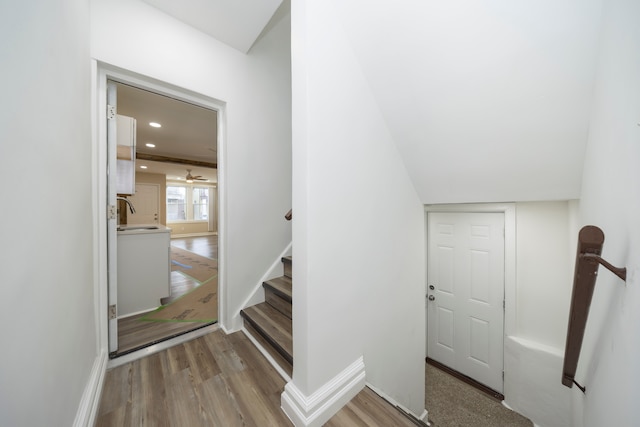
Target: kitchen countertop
(127,229)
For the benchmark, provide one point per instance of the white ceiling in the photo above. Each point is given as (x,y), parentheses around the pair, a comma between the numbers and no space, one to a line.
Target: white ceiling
(188,131)
(237,23)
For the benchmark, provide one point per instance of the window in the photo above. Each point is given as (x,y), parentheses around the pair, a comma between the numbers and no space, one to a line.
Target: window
(200,203)
(187,203)
(176,203)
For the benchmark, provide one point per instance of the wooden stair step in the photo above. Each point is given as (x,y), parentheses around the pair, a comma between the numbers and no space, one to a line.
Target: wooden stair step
(281,286)
(287,262)
(273,326)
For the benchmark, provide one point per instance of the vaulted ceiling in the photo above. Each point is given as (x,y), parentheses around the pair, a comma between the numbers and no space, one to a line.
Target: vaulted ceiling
(485,99)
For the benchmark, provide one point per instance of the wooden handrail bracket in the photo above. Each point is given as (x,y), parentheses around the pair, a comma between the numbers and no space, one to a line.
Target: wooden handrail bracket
(590,242)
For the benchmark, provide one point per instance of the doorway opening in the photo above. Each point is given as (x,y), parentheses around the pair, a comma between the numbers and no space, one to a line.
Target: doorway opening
(470,289)
(181,153)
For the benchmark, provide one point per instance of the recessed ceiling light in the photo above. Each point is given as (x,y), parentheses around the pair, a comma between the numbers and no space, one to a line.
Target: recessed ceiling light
(150,145)
(143,167)
(155,125)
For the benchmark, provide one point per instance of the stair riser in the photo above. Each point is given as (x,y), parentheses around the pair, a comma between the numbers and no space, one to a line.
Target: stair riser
(288,270)
(275,301)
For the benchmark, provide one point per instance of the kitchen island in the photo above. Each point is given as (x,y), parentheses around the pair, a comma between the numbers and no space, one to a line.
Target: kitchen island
(144,267)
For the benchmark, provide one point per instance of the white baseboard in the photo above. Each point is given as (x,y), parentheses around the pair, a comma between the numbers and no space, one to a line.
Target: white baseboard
(424,416)
(90,401)
(317,409)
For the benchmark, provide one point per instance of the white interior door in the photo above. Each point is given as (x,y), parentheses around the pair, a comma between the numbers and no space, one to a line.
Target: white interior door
(112,238)
(147,204)
(465,283)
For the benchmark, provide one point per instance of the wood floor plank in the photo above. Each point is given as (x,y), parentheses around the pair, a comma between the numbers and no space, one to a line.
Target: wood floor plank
(149,395)
(254,404)
(181,386)
(203,364)
(221,409)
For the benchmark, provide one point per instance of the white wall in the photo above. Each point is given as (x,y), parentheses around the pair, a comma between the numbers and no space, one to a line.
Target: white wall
(358,229)
(545,260)
(48,337)
(487,101)
(608,364)
(257,91)
(534,344)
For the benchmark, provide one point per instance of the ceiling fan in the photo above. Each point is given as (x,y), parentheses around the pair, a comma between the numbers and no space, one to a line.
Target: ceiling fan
(191,178)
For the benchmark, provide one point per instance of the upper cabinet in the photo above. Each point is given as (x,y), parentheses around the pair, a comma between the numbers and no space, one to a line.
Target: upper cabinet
(126,155)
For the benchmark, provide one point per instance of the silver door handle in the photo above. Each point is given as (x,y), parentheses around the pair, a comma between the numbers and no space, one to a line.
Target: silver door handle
(431,297)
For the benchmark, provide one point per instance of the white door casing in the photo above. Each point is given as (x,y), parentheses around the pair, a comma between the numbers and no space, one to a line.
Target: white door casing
(466,260)
(146,201)
(112,238)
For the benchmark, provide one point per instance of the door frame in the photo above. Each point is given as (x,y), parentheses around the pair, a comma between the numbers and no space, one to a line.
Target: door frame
(101,72)
(509,211)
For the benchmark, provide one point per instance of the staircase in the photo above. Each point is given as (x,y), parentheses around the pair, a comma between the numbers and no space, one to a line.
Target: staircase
(270,322)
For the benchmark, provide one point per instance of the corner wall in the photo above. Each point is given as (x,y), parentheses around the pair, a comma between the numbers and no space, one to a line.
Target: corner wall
(49,343)
(358,228)
(608,364)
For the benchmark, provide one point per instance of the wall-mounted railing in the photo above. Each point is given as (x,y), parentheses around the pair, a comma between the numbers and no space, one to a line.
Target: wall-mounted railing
(590,241)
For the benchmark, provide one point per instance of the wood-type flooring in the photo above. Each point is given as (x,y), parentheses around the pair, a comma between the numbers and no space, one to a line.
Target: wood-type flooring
(216,380)
(134,334)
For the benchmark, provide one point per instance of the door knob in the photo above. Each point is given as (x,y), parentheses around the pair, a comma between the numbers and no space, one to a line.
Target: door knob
(432,287)
(431,297)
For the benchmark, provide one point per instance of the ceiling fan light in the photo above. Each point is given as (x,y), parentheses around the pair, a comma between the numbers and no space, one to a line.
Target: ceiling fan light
(189,181)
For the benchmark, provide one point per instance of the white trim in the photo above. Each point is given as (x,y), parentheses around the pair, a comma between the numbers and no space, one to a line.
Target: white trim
(509,210)
(156,348)
(267,355)
(422,417)
(90,401)
(101,72)
(317,409)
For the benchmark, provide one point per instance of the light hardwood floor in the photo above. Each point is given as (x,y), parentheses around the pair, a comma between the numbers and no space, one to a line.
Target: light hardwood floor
(216,380)
(134,334)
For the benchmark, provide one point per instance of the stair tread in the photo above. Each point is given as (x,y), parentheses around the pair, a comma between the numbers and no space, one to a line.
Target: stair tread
(281,285)
(275,327)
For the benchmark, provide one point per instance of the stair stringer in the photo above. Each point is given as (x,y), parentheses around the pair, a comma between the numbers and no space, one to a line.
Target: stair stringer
(318,408)
(256,296)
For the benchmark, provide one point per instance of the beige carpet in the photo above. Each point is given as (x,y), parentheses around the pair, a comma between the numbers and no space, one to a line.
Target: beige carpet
(453,403)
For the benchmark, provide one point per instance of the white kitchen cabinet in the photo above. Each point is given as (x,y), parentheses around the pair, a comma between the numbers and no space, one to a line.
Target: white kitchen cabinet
(144,268)
(126,155)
